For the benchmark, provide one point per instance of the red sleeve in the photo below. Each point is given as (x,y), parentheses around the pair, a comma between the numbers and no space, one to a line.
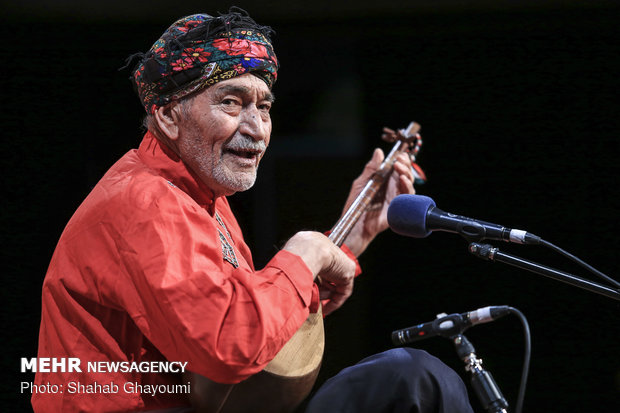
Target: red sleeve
(195,306)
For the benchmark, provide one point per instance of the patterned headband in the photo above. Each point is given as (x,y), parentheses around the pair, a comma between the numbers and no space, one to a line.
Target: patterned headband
(198,51)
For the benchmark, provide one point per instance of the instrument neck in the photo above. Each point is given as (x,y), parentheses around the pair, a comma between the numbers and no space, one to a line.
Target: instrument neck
(343,227)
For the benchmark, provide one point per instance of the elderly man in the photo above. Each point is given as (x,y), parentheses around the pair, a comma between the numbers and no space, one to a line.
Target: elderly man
(152,267)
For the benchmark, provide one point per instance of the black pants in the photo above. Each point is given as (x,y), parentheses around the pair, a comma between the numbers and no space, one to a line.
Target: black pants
(400,380)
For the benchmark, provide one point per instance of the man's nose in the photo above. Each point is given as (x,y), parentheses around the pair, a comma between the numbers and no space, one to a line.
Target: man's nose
(253,124)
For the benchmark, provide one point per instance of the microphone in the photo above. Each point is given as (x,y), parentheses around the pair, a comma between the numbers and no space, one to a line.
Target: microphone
(417,216)
(449,325)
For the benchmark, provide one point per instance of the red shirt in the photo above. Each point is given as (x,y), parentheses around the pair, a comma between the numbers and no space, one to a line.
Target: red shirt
(151,268)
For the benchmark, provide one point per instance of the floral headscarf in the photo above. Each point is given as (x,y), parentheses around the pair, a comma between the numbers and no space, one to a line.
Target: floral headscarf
(198,51)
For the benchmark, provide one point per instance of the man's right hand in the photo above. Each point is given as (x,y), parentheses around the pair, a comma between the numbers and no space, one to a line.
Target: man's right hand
(325,259)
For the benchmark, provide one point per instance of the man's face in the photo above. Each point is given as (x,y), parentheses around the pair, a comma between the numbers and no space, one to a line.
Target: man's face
(225,133)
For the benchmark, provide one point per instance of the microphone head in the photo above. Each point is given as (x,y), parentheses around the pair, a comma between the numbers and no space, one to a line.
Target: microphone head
(407,215)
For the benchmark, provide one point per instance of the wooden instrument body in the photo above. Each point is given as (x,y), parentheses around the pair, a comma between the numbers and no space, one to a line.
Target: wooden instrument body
(280,387)
(289,377)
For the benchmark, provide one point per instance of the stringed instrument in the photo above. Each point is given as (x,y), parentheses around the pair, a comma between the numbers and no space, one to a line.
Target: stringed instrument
(288,379)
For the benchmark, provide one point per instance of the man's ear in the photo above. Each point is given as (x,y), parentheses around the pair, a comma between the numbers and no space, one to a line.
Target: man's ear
(168,119)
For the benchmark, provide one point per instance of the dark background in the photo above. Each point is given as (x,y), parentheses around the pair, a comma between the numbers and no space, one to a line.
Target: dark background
(519,114)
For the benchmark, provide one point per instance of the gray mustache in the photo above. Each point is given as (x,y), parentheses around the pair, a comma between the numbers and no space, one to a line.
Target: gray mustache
(246,143)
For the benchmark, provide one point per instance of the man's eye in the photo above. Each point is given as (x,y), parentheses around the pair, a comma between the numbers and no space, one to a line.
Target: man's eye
(228,102)
(266,107)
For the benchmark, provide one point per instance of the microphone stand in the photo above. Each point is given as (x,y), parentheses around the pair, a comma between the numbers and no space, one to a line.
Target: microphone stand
(490,253)
(482,381)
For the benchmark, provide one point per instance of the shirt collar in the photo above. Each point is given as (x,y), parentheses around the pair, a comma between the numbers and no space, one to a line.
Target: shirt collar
(157,156)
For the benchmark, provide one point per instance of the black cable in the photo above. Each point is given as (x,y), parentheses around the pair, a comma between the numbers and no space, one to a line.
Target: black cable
(580,262)
(526,358)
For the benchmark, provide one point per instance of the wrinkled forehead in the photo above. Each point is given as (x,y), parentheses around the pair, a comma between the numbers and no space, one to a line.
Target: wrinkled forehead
(248,86)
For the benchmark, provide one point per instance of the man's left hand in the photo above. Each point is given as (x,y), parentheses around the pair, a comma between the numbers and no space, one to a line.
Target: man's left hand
(374,219)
